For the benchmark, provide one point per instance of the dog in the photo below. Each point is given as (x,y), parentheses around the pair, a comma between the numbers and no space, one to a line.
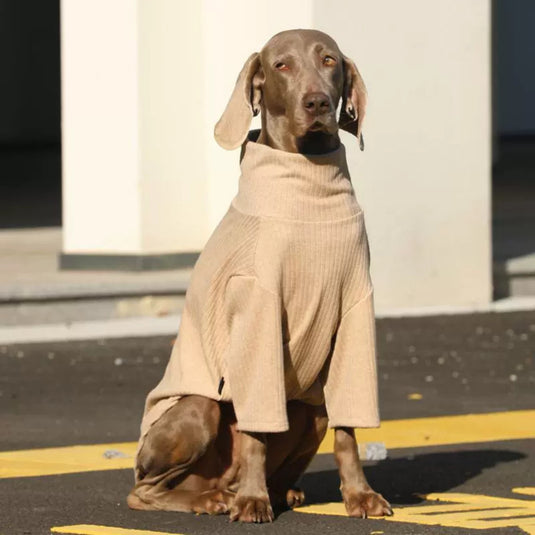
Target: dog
(277,339)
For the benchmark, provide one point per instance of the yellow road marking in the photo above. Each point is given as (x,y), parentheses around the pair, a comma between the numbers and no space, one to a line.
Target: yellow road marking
(469,511)
(444,430)
(71,459)
(529,491)
(86,529)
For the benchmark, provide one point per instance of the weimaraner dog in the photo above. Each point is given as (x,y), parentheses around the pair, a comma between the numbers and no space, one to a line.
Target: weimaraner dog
(194,458)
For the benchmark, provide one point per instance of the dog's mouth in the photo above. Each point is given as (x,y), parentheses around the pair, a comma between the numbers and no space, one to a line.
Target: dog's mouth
(325,123)
(317,126)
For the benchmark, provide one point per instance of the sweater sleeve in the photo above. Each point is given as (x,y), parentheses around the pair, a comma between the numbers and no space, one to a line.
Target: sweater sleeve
(351,381)
(255,361)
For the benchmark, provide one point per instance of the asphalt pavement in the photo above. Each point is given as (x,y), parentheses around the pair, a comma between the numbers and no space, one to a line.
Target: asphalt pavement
(56,395)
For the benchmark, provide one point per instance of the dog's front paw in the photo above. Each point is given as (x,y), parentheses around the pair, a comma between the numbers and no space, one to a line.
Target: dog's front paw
(365,503)
(251,509)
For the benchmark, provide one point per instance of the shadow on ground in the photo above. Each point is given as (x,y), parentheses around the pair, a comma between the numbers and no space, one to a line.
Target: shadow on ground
(402,481)
(34,505)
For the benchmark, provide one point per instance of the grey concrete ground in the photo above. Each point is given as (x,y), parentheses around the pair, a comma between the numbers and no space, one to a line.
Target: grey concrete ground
(34,291)
(59,394)
(30,272)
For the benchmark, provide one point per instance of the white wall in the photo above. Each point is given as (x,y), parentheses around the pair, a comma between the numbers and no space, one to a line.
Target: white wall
(229,41)
(174,162)
(162,183)
(424,178)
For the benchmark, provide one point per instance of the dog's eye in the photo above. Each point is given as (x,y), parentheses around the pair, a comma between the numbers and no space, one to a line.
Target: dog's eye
(280,66)
(329,61)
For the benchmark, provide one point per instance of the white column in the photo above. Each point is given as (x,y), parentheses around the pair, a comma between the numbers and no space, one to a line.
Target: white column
(100,126)
(134,166)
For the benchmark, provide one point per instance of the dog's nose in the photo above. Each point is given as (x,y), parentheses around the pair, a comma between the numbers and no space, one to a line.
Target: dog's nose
(316,103)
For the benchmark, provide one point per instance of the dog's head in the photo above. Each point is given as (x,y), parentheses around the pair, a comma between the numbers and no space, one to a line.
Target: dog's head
(296,80)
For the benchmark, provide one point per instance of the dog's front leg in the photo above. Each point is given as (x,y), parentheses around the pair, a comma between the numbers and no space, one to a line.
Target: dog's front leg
(359,498)
(252,500)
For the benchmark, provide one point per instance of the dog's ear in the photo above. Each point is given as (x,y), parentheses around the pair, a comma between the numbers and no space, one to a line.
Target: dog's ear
(354,98)
(231,130)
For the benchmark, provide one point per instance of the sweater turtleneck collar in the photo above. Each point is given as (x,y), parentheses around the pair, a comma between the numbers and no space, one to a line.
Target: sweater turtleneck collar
(287,185)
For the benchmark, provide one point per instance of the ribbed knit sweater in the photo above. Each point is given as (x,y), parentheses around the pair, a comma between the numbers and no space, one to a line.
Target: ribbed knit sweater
(280,303)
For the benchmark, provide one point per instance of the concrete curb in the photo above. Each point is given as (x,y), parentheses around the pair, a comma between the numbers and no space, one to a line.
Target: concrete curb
(168,325)
(90,330)
(18,293)
(509,304)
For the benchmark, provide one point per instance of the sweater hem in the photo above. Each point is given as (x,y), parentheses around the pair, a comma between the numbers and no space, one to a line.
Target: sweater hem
(262,427)
(357,424)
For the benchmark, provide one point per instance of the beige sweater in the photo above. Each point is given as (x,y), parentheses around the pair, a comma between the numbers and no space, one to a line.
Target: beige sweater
(280,303)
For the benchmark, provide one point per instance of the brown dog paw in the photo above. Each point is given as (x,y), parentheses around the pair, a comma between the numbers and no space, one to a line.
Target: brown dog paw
(135,502)
(366,503)
(214,502)
(295,498)
(251,509)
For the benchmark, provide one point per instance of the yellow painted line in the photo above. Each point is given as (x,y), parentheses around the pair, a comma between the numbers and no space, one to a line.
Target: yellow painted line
(415,396)
(416,432)
(86,529)
(528,491)
(444,430)
(67,460)
(469,511)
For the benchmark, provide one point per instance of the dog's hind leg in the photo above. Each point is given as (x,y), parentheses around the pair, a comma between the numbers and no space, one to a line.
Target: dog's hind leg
(290,453)
(212,502)
(177,466)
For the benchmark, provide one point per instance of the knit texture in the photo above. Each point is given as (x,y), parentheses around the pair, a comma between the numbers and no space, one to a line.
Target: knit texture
(280,304)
